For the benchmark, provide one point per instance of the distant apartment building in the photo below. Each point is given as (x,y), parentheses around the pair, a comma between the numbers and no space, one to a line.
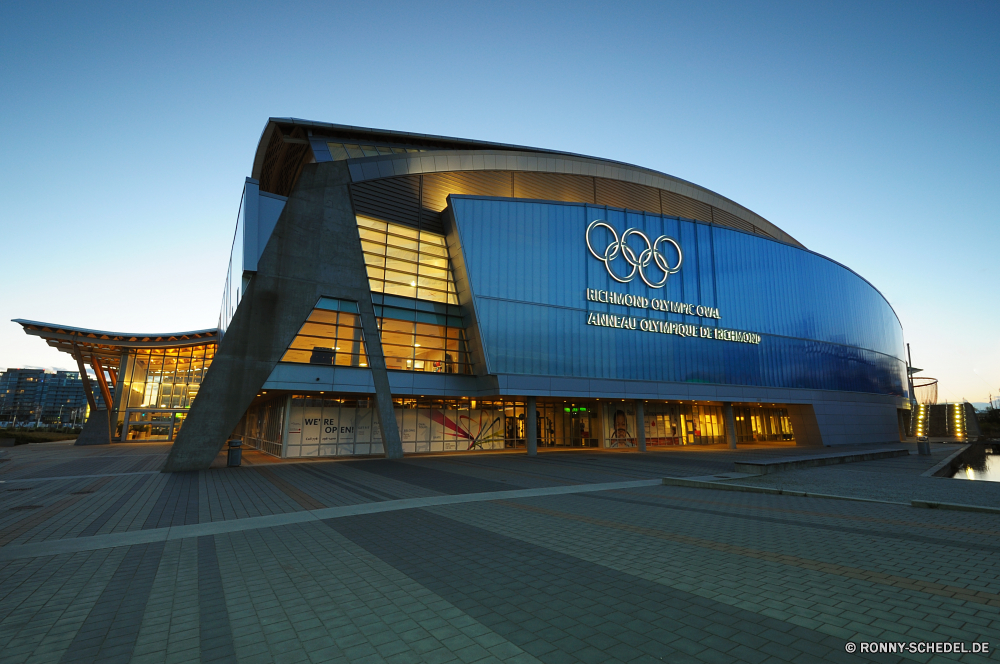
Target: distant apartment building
(43,398)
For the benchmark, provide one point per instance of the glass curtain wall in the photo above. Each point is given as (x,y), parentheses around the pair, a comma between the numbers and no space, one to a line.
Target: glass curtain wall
(342,151)
(413,290)
(324,426)
(419,346)
(331,335)
(665,424)
(568,424)
(822,326)
(754,425)
(405,261)
(447,425)
(165,377)
(158,380)
(320,426)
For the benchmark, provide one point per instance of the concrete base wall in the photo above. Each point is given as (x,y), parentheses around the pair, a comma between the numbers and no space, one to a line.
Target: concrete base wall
(857,422)
(805,425)
(97,430)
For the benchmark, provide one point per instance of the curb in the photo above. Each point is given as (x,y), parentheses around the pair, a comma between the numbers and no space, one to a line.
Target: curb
(951,457)
(793,463)
(926,504)
(934,505)
(701,484)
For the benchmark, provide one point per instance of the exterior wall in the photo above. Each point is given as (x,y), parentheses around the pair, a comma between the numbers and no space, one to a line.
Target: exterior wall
(821,325)
(827,337)
(856,421)
(526,269)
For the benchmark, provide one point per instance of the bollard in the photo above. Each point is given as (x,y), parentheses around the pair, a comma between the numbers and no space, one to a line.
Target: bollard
(235,453)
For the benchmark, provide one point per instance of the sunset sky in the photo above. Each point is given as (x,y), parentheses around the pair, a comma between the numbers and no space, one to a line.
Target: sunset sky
(870,132)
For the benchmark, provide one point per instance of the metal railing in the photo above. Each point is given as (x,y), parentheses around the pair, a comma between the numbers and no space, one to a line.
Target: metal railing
(261,426)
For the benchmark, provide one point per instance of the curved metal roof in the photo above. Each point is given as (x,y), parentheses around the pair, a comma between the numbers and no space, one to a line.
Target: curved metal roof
(112,344)
(443,154)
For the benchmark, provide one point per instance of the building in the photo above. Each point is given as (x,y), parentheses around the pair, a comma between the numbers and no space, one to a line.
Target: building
(41,397)
(150,380)
(393,293)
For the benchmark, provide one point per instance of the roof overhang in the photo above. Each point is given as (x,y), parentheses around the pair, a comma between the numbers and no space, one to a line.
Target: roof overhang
(111,345)
(282,134)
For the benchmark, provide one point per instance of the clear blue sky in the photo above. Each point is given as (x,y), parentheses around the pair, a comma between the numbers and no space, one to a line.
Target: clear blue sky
(868,131)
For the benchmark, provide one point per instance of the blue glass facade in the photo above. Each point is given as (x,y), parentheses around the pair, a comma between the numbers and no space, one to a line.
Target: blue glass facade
(528,269)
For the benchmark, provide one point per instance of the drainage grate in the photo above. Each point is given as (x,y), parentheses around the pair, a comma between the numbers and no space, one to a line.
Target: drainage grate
(80,493)
(24,488)
(22,508)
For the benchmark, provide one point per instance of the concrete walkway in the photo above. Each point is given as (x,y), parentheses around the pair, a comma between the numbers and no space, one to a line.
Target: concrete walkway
(482,558)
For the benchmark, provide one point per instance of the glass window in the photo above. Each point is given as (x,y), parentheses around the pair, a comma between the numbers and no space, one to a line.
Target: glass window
(407,262)
(165,377)
(329,337)
(412,346)
(337,151)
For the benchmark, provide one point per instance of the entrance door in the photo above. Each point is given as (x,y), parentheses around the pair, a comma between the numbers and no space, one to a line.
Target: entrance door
(152,426)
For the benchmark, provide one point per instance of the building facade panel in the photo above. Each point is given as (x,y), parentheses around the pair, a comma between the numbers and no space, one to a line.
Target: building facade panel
(820,325)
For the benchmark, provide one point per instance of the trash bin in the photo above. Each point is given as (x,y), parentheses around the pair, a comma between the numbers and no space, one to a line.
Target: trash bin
(923,447)
(235,453)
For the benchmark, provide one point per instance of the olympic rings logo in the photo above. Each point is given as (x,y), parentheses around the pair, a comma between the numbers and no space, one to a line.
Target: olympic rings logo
(651,254)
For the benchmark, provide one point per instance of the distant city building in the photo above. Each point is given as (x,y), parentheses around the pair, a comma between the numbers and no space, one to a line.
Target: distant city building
(44,398)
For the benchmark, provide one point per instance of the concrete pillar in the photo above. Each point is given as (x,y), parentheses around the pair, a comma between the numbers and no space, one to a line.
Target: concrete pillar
(805,426)
(531,427)
(97,430)
(385,410)
(727,410)
(640,425)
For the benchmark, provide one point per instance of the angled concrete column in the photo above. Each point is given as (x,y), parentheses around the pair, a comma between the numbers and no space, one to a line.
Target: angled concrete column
(531,427)
(391,441)
(727,411)
(640,425)
(805,427)
(314,251)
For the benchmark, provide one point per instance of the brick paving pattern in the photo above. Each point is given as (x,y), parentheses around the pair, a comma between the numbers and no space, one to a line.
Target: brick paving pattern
(419,566)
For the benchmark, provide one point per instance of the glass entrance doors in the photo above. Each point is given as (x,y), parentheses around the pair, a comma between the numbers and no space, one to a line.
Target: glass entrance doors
(152,426)
(567,424)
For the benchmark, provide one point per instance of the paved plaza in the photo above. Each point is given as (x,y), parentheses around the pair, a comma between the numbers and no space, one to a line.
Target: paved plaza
(567,557)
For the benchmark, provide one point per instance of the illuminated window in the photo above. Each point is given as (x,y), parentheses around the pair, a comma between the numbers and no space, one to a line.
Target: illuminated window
(165,377)
(421,336)
(413,346)
(331,335)
(407,262)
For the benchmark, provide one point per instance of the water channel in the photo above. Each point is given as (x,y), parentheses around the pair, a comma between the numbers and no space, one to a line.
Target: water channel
(979,462)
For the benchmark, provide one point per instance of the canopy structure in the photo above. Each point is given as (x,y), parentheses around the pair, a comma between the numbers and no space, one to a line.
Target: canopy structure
(104,350)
